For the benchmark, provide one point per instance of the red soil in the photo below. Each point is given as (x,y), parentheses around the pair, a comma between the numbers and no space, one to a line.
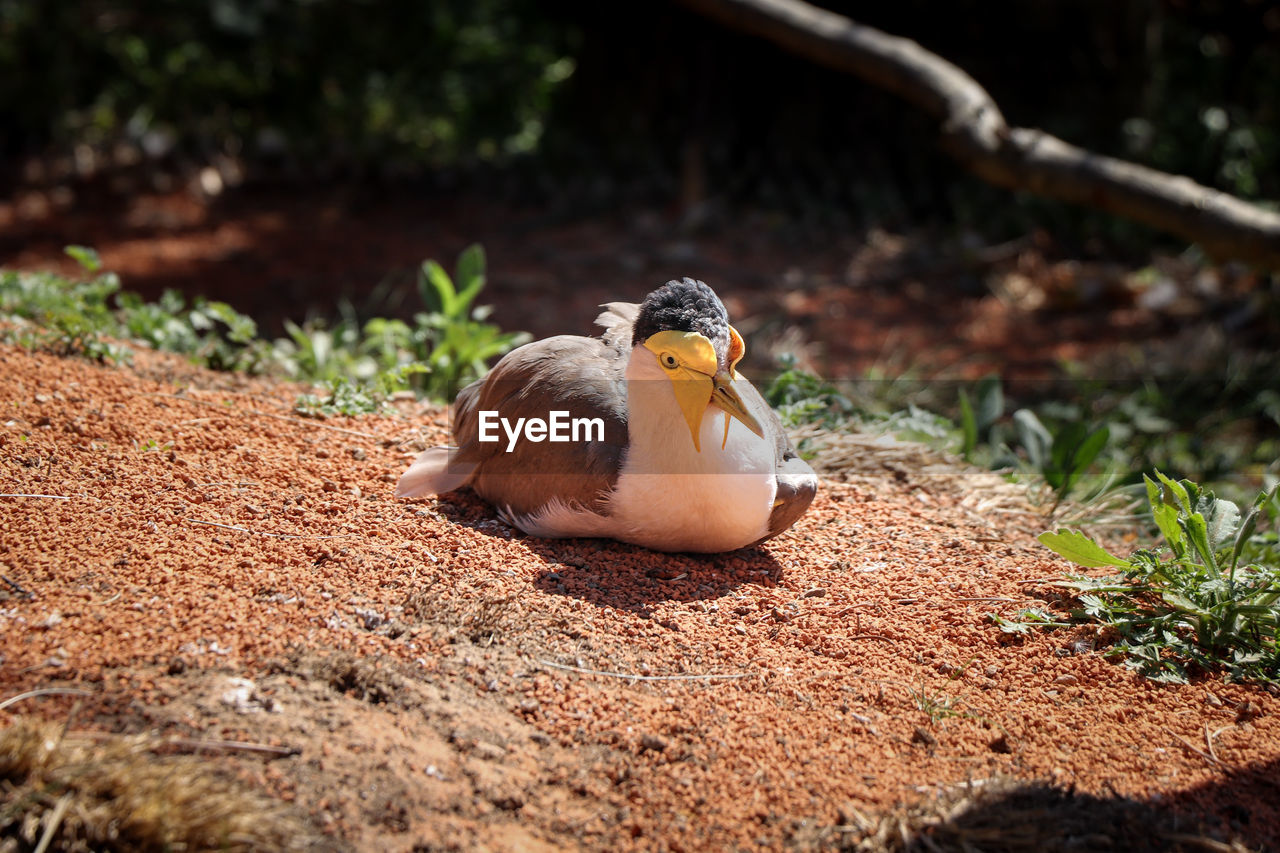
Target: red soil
(449,682)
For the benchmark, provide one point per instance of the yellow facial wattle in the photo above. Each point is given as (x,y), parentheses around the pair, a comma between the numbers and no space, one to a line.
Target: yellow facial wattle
(689,361)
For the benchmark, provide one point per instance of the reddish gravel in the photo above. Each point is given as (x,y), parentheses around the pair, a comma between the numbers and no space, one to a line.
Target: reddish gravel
(448,682)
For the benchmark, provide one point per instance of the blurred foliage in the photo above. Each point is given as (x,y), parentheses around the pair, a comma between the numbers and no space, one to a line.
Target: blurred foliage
(1082,438)
(346,82)
(359,367)
(91,317)
(658,101)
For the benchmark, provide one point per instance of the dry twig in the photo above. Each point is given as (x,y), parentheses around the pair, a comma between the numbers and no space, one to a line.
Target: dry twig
(633,677)
(239,529)
(50,497)
(43,691)
(261,414)
(55,818)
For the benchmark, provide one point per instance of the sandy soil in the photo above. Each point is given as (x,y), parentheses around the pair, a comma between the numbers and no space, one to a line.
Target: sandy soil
(211,568)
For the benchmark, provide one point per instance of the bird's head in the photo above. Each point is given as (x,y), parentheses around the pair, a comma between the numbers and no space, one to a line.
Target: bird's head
(685,327)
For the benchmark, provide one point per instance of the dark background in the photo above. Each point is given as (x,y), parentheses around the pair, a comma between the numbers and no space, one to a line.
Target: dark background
(585,104)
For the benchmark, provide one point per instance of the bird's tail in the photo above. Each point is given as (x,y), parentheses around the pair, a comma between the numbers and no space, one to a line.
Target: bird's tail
(434,472)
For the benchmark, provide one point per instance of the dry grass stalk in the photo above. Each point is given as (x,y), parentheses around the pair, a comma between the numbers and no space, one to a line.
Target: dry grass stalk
(91,793)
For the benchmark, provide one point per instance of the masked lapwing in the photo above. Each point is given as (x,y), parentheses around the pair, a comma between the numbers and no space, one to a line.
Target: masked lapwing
(647,434)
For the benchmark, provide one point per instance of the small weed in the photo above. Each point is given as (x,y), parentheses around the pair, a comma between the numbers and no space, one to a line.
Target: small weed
(81,317)
(1206,601)
(801,397)
(63,316)
(1060,457)
(360,366)
(1021,443)
(937,706)
(212,333)
(354,398)
(447,346)
(451,337)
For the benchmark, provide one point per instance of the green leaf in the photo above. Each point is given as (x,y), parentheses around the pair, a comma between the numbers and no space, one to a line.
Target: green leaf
(1034,437)
(1181,602)
(470,279)
(1224,522)
(86,257)
(1166,518)
(1074,449)
(968,427)
(1084,454)
(1250,523)
(1197,530)
(1155,497)
(990,403)
(1080,549)
(1178,490)
(436,289)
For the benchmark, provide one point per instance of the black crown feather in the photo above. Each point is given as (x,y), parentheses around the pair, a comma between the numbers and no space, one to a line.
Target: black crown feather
(683,306)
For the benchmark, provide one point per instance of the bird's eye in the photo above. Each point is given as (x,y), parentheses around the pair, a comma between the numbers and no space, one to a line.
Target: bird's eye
(668,360)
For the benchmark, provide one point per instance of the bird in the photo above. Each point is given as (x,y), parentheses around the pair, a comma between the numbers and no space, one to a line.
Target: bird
(678,452)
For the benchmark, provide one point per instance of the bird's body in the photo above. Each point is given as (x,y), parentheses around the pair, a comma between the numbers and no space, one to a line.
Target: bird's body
(681,461)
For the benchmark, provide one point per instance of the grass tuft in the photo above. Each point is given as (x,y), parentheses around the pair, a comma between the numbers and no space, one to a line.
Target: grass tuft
(115,793)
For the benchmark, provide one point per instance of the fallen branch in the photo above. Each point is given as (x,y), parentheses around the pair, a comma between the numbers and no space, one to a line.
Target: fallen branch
(975,133)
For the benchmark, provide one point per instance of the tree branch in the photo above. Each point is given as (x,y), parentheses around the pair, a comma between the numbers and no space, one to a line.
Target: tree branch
(974,132)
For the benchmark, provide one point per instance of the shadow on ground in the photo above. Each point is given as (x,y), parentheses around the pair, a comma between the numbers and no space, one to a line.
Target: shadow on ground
(1010,817)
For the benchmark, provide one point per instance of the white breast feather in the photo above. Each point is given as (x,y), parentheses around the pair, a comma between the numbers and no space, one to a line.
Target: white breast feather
(672,497)
(669,496)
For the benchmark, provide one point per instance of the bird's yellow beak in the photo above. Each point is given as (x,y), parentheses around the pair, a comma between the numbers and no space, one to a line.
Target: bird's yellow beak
(689,360)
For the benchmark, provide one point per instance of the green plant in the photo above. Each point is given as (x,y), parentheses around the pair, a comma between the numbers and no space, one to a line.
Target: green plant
(976,422)
(213,333)
(79,317)
(360,367)
(349,398)
(316,352)
(802,397)
(1207,601)
(937,706)
(451,337)
(447,345)
(67,317)
(1060,456)
(1063,457)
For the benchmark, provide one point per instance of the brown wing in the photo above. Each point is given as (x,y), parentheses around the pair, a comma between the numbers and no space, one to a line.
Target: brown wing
(580,376)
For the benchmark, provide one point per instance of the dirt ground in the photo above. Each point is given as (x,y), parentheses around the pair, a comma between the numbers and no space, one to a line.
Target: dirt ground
(237,583)
(847,300)
(209,567)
